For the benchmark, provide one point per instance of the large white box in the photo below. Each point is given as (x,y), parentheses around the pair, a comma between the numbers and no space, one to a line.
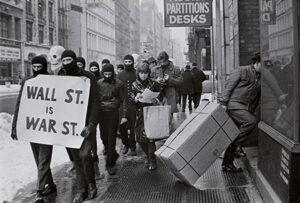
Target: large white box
(198,142)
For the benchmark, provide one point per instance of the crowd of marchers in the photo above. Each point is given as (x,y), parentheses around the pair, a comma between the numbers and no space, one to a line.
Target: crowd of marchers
(115,104)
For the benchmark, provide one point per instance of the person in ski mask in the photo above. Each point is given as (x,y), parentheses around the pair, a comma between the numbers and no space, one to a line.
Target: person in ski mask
(111,93)
(42,153)
(128,76)
(94,68)
(80,62)
(83,161)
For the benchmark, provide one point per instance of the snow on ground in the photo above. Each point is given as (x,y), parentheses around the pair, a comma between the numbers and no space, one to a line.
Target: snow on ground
(9,89)
(17,166)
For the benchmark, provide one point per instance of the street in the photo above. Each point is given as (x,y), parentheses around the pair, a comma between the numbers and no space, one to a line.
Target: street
(8,103)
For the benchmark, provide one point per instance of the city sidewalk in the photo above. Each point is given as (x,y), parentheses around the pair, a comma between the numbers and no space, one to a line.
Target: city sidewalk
(134,183)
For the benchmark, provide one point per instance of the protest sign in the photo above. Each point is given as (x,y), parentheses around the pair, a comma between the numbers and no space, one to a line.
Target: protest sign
(188,13)
(53,110)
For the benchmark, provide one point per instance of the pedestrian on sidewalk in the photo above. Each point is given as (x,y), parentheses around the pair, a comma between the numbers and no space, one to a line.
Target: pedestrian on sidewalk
(199,78)
(187,88)
(128,76)
(83,160)
(143,82)
(111,93)
(42,153)
(241,97)
(169,77)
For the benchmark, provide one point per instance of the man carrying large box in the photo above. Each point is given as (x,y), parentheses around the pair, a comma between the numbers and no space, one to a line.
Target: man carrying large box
(240,98)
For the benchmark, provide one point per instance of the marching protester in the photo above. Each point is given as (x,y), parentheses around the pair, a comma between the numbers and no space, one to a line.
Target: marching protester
(120,68)
(94,68)
(169,77)
(142,82)
(128,76)
(42,153)
(199,77)
(83,161)
(241,97)
(80,62)
(187,89)
(111,93)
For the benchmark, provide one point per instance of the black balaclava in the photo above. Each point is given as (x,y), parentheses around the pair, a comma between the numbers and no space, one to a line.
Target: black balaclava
(108,68)
(129,67)
(72,67)
(40,60)
(82,60)
(96,73)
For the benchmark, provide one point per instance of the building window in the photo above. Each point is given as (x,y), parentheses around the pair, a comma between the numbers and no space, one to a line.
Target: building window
(17,28)
(50,11)
(40,9)
(29,31)
(28,6)
(50,36)
(4,24)
(41,34)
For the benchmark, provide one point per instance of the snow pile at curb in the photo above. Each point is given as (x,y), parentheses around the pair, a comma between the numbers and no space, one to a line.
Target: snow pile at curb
(17,165)
(11,89)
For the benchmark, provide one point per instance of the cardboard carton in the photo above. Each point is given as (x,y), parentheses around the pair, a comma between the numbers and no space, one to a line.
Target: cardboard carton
(198,142)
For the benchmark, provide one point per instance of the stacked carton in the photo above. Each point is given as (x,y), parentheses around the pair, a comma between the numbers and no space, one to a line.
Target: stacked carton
(198,142)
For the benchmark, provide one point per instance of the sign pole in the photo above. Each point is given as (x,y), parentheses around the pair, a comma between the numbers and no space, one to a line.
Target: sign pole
(212,61)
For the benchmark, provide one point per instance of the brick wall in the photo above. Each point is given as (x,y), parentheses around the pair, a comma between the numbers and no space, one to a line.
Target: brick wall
(249,32)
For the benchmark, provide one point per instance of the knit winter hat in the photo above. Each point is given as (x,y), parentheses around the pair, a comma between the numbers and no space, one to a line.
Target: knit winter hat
(82,60)
(108,68)
(163,55)
(67,53)
(94,63)
(151,60)
(120,66)
(41,60)
(129,57)
(105,61)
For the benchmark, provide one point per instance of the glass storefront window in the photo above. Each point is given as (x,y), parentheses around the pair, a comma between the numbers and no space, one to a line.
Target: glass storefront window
(278,69)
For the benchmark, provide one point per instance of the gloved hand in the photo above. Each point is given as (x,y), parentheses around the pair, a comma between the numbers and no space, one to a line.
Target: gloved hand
(14,134)
(155,101)
(87,130)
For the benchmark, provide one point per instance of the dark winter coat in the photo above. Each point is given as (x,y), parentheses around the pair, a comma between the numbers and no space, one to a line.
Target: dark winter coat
(242,90)
(187,86)
(199,78)
(111,95)
(175,81)
(128,77)
(139,87)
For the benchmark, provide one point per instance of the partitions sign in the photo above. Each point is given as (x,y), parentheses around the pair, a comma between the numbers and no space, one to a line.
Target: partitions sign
(53,110)
(187,13)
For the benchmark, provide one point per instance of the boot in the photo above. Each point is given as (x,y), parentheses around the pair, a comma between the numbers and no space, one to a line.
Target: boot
(39,197)
(152,165)
(49,189)
(92,191)
(79,197)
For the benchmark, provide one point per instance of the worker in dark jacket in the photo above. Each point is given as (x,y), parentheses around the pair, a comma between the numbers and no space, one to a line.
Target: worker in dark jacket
(187,88)
(128,76)
(94,68)
(86,185)
(80,62)
(199,78)
(42,153)
(240,97)
(111,93)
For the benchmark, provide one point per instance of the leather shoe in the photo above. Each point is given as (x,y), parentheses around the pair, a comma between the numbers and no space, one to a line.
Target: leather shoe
(79,197)
(152,165)
(239,152)
(231,168)
(49,189)
(38,197)
(111,171)
(92,191)
(125,150)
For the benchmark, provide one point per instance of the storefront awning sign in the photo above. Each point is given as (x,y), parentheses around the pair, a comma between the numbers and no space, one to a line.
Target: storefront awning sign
(10,53)
(187,13)
(267,12)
